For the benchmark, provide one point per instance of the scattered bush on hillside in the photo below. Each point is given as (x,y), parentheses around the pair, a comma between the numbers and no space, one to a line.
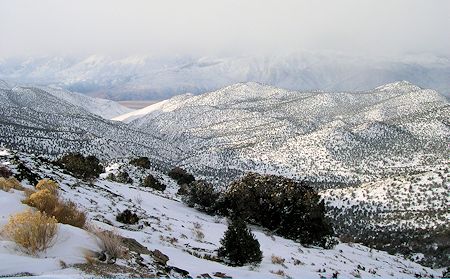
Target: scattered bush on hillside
(202,195)
(121,177)
(43,200)
(67,212)
(142,162)
(127,217)
(239,245)
(7,184)
(34,231)
(24,173)
(291,209)
(181,176)
(88,167)
(48,184)
(5,172)
(46,200)
(152,182)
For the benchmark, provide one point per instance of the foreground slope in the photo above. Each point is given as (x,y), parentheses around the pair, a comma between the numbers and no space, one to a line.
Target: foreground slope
(171,227)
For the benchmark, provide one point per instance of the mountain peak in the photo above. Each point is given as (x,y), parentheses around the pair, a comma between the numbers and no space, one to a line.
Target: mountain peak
(402,86)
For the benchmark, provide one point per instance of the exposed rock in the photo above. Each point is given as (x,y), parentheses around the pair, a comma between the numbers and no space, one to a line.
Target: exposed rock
(133,245)
(159,257)
(182,272)
(222,275)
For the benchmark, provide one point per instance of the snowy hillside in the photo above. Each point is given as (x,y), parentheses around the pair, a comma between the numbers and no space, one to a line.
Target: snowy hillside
(53,122)
(187,237)
(30,96)
(105,108)
(146,77)
(328,137)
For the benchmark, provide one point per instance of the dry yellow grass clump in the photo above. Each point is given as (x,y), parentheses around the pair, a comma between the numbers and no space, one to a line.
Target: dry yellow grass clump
(48,184)
(7,184)
(34,231)
(108,241)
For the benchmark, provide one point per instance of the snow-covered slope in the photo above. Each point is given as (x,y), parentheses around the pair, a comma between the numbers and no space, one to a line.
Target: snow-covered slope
(39,97)
(170,226)
(165,105)
(105,108)
(329,137)
(53,122)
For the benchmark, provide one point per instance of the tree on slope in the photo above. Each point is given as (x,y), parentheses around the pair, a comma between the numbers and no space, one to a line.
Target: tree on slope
(239,245)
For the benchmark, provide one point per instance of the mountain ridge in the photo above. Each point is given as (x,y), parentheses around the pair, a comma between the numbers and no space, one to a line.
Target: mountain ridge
(146,77)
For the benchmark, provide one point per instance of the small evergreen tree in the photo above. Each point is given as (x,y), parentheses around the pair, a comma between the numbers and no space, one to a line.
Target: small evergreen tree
(201,194)
(124,177)
(181,176)
(88,167)
(239,245)
(152,182)
(142,162)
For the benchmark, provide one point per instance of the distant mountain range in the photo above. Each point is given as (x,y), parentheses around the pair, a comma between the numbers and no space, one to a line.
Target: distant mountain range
(150,78)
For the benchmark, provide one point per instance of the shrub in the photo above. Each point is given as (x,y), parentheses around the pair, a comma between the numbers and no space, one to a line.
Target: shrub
(181,176)
(24,173)
(34,231)
(239,245)
(142,162)
(152,182)
(48,184)
(7,184)
(82,167)
(277,260)
(43,200)
(202,194)
(121,177)
(66,212)
(290,208)
(127,217)
(5,171)
(124,177)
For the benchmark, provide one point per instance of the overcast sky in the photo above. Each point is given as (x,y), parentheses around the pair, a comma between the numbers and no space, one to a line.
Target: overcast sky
(219,27)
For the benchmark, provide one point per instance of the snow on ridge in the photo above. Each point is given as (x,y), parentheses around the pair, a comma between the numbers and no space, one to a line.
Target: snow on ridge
(166,105)
(398,86)
(102,107)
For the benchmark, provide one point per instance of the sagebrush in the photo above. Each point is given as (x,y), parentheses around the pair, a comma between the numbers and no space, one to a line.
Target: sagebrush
(34,231)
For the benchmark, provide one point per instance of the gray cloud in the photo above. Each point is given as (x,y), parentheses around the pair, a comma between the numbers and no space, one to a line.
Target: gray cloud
(219,27)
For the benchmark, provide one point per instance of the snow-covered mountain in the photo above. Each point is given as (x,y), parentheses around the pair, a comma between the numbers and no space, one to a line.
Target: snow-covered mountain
(51,122)
(146,77)
(105,108)
(28,97)
(187,237)
(329,137)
